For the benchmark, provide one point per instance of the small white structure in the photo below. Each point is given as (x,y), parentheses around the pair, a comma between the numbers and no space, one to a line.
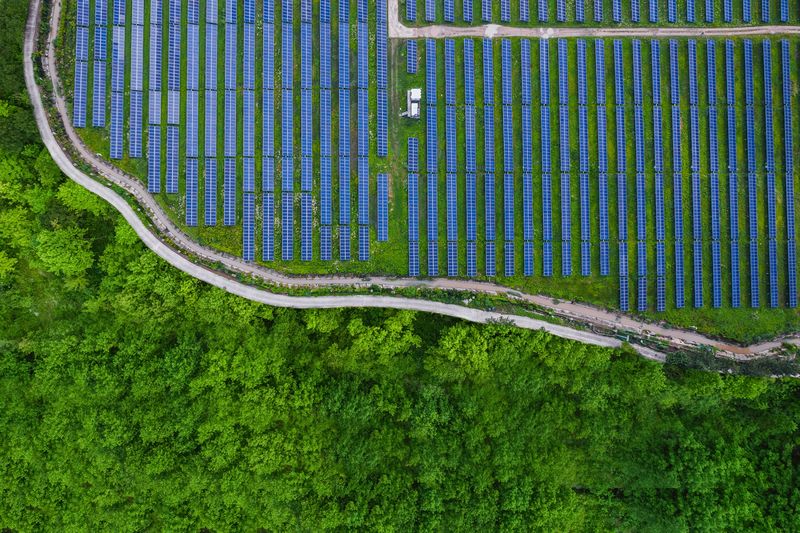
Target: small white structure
(413,99)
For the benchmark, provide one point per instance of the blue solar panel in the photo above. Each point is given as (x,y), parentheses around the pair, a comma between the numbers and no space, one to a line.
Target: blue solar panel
(230,124)
(99,95)
(211,124)
(524,11)
(173,142)
(411,11)
(154,115)
(542,10)
(116,125)
(306,220)
(411,56)
(383,207)
(467,11)
(449,11)
(486,10)
(430,10)
(229,192)
(268,227)
(287,226)
(191,192)
(135,125)
(101,13)
(118,15)
(248,175)
(211,192)
(471,207)
(789,201)
(154,159)
(80,94)
(505,10)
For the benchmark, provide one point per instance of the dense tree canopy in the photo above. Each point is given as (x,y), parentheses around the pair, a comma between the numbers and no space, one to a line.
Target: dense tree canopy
(134,397)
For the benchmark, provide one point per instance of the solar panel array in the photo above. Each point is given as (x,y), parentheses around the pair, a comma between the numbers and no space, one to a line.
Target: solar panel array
(486,10)
(117,80)
(488,150)
(602,154)
(772,215)
(100,60)
(788,168)
(430,10)
(752,177)
(344,130)
(467,11)
(411,56)
(411,10)
(137,73)
(658,167)
(641,186)
(733,189)
(622,194)
(564,159)
(547,199)
(432,149)
(508,158)
(470,155)
(239,157)
(677,173)
(363,127)
(268,132)
(451,155)
(527,160)
(382,73)
(694,147)
(583,160)
(81,80)
(713,147)
(192,109)
(326,149)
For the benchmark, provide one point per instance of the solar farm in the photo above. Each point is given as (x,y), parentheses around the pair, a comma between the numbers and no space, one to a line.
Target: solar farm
(650,175)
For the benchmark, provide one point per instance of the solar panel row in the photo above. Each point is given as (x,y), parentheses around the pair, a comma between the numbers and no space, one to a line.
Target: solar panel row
(326,73)
(677,167)
(733,194)
(117,84)
(602,151)
(344,129)
(641,188)
(622,196)
(694,133)
(788,143)
(658,149)
(752,180)
(81,75)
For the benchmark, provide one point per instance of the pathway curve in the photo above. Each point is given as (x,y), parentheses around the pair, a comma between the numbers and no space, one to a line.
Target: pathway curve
(583,313)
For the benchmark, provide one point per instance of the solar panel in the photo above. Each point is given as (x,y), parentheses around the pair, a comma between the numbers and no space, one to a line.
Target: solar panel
(99,95)
(430,10)
(268,227)
(411,56)
(411,15)
(80,95)
(467,11)
(449,11)
(154,159)
(383,207)
(116,125)
(287,226)
(306,221)
(173,142)
(211,192)
(135,125)
(543,10)
(191,192)
(248,175)
(486,10)
(789,197)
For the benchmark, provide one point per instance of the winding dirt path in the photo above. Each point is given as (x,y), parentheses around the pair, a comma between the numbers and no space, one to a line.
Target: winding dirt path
(586,314)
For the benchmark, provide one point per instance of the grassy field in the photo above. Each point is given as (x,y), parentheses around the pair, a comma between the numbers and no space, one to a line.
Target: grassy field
(391,258)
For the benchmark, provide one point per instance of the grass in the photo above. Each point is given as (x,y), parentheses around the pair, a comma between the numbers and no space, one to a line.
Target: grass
(391,258)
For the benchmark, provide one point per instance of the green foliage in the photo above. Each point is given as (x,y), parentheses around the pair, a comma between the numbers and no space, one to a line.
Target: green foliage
(142,399)
(64,251)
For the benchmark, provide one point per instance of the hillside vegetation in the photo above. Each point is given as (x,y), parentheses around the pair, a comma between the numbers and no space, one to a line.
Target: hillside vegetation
(137,398)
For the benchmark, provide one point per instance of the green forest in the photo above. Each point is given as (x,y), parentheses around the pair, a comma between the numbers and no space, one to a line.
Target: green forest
(136,398)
